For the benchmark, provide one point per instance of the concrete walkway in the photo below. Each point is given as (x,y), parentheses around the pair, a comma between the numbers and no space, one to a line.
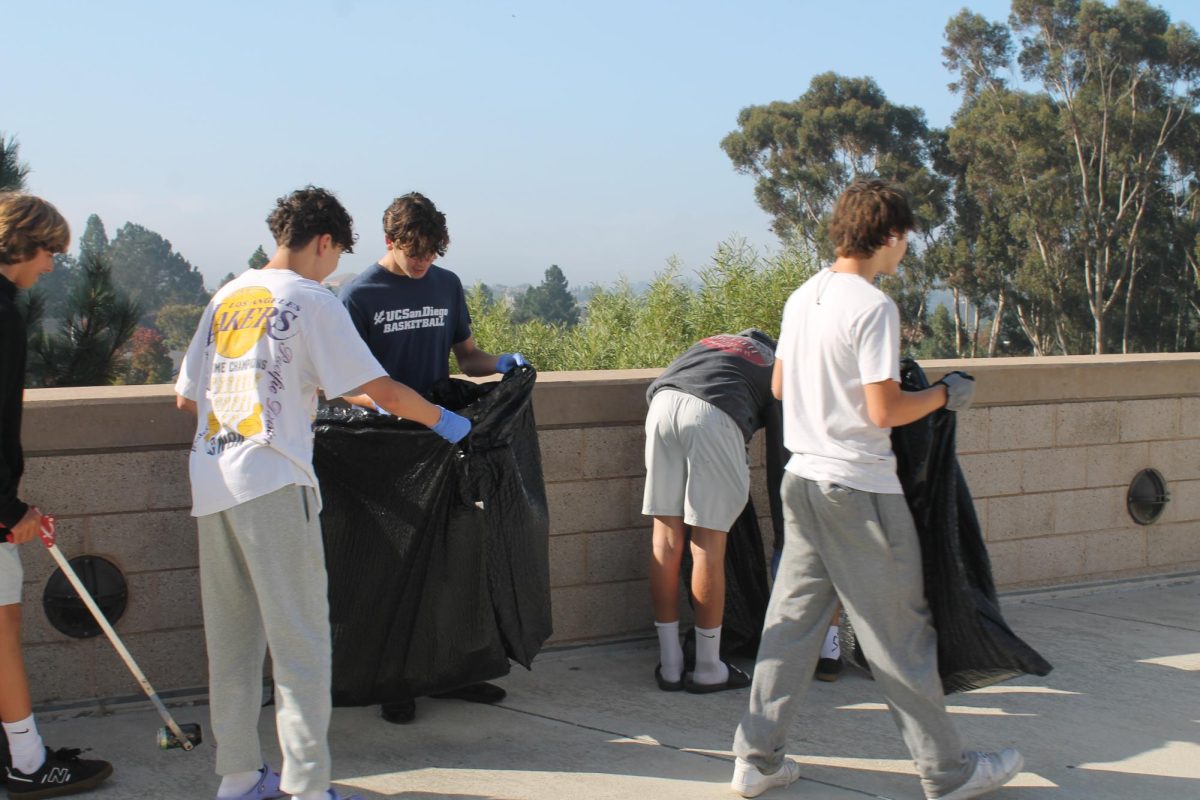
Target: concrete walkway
(1119,718)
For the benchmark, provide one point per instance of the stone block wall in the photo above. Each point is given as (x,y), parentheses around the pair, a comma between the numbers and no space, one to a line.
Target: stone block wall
(111,464)
(1049,451)
(1050,478)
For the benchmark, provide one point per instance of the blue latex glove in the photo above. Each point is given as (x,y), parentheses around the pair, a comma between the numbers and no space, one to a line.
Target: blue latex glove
(506,362)
(452,427)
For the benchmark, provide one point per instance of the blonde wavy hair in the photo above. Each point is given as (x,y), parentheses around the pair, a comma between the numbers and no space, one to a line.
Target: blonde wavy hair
(28,223)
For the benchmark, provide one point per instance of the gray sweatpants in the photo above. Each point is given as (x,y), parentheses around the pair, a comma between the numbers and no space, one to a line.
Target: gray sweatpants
(263,582)
(862,547)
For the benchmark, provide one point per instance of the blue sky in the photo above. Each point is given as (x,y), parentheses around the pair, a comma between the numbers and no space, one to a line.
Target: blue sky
(579,134)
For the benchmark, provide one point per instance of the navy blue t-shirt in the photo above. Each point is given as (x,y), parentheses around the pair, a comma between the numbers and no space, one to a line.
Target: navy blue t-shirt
(731,371)
(409,324)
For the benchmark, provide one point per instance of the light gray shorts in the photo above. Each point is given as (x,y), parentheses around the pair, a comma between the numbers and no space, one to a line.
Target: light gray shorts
(696,462)
(12,574)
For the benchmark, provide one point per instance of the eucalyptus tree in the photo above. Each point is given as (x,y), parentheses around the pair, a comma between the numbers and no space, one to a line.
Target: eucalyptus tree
(1077,167)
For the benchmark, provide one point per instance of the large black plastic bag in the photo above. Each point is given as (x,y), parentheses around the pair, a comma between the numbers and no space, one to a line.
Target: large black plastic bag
(746,588)
(976,648)
(428,591)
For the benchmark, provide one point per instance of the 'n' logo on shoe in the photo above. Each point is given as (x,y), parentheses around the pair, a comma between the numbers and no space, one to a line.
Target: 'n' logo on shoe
(57,775)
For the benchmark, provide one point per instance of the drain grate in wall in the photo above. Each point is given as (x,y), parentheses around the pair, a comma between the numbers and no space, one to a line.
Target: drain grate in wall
(1147,496)
(64,609)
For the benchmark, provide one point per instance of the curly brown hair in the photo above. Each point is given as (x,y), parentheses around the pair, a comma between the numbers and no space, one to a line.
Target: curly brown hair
(867,213)
(414,225)
(307,213)
(28,223)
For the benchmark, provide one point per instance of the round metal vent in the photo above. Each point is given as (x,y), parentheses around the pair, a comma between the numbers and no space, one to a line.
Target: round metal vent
(66,611)
(1147,496)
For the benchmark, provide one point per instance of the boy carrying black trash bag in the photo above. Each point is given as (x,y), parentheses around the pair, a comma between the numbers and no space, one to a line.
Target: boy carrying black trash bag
(267,342)
(413,314)
(31,232)
(848,529)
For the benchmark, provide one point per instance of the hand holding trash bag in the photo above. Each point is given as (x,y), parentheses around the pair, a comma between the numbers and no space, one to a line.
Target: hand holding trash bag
(960,390)
(976,647)
(390,397)
(507,362)
(451,427)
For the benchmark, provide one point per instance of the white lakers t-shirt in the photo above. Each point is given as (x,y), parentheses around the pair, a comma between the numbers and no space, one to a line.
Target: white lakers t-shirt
(838,334)
(267,342)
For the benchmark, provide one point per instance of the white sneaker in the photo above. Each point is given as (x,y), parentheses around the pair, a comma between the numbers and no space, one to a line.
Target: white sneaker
(992,770)
(749,782)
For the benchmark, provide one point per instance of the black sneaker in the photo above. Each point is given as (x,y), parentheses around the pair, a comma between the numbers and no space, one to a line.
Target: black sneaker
(828,669)
(63,773)
(399,712)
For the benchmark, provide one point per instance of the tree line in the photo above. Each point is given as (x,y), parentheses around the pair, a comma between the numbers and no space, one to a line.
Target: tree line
(114,311)
(1060,210)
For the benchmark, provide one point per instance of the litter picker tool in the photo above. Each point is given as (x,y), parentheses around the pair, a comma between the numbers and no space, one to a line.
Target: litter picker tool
(174,735)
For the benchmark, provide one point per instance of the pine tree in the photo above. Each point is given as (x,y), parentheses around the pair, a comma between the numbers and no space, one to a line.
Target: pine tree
(550,301)
(86,352)
(12,171)
(258,259)
(93,244)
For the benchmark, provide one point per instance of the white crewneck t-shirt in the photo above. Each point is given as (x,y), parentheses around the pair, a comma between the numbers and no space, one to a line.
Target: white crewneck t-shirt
(838,334)
(268,341)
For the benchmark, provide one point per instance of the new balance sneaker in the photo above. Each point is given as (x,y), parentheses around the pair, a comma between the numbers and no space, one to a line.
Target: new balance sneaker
(63,773)
(267,787)
(749,782)
(992,770)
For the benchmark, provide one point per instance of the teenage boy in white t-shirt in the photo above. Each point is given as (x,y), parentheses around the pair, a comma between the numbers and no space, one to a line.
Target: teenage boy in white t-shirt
(268,341)
(848,529)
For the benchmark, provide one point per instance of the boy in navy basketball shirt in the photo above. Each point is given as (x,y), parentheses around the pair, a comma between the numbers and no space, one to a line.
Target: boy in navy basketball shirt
(412,314)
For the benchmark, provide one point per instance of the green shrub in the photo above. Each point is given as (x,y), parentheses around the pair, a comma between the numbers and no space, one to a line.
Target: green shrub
(623,329)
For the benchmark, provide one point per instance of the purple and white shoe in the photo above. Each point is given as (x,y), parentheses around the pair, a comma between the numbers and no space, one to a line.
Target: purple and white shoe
(267,787)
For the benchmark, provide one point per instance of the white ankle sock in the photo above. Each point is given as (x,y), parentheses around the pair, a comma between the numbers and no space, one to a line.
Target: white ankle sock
(831,648)
(709,667)
(325,795)
(25,744)
(670,654)
(238,783)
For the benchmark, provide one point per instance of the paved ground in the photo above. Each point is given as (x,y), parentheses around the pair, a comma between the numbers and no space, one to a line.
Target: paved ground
(1119,718)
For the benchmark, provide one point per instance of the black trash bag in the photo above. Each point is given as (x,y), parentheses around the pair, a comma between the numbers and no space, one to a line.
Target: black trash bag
(976,648)
(438,555)
(504,467)
(746,589)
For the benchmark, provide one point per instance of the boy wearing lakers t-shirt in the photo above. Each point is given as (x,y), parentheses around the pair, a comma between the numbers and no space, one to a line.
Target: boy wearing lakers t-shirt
(268,341)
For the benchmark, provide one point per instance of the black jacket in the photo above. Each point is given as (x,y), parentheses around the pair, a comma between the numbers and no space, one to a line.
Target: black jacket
(12,387)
